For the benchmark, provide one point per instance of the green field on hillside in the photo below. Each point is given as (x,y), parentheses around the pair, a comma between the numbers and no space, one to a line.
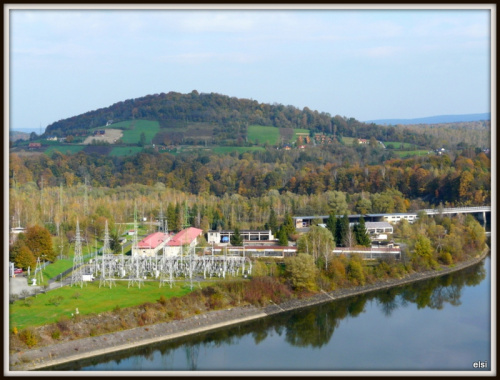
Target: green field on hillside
(239,149)
(399,145)
(125,150)
(348,140)
(299,130)
(89,299)
(409,153)
(132,130)
(259,134)
(65,149)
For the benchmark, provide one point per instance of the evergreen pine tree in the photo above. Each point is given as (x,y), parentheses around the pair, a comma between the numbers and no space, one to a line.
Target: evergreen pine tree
(236,239)
(288,225)
(361,235)
(341,230)
(273,222)
(283,237)
(331,224)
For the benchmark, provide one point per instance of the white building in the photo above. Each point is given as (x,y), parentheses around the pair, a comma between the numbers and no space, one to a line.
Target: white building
(224,237)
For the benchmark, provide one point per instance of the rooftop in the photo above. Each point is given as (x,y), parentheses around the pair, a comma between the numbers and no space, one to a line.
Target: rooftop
(185,237)
(153,240)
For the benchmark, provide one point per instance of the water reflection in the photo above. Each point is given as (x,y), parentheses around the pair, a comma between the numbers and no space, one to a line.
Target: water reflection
(311,327)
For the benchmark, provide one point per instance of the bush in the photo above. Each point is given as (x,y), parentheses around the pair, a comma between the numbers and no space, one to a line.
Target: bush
(56,334)
(262,289)
(162,300)
(446,258)
(28,337)
(63,323)
(28,301)
(355,273)
(56,300)
(301,271)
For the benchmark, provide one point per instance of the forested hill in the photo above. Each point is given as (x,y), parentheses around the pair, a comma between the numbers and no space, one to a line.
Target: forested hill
(231,114)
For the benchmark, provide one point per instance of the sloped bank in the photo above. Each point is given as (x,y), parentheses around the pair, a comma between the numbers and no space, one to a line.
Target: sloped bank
(96,346)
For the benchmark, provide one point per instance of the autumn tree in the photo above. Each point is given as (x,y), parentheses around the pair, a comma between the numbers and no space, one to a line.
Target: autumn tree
(24,258)
(39,241)
(423,254)
(355,272)
(319,243)
(301,271)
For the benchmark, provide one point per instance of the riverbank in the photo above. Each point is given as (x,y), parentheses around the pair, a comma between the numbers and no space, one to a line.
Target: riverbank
(96,346)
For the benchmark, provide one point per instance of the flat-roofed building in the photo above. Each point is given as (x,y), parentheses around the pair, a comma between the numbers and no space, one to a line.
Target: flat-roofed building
(374,228)
(393,218)
(256,251)
(223,237)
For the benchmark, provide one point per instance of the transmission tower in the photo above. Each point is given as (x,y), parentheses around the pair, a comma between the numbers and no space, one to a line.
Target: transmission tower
(38,272)
(107,261)
(106,249)
(76,274)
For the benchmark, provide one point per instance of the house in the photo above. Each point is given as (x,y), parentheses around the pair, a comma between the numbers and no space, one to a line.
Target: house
(363,141)
(151,244)
(34,145)
(187,238)
(131,232)
(52,138)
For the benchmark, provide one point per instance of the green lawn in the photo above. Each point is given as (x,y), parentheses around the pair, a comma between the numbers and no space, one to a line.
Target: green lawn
(125,150)
(261,134)
(92,299)
(132,130)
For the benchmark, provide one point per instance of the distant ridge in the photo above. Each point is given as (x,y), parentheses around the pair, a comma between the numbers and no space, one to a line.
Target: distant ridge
(434,119)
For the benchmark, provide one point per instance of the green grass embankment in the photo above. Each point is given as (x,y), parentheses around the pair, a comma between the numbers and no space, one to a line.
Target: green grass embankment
(89,299)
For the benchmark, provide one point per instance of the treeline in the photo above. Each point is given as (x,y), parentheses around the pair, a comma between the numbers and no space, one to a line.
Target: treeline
(231,115)
(461,180)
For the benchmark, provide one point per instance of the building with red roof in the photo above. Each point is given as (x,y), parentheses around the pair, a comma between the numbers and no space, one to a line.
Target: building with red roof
(187,237)
(151,244)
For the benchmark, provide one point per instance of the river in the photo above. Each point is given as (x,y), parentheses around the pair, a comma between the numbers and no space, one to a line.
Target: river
(441,324)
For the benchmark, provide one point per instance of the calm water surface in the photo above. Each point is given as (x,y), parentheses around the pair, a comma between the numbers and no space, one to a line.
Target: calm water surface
(437,324)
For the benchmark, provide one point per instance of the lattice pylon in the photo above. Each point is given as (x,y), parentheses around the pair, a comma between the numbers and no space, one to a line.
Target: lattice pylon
(76,274)
(106,247)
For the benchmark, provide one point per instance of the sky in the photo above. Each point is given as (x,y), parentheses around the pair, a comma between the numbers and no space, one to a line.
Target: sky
(366,64)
